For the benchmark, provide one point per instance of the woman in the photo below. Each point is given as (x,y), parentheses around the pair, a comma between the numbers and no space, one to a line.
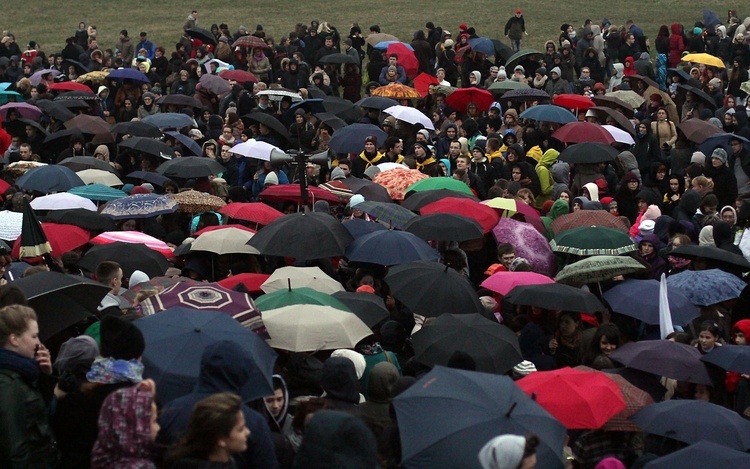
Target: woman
(565,345)
(352,83)
(605,341)
(664,130)
(674,192)
(737,76)
(216,431)
(676,45)
(27,439)
(128,112)
(148,107)
(709,337)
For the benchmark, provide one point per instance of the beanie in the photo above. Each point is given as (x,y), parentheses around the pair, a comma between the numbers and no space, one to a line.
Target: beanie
(139,190)
(337,173)
(427,150)
(646,227)
(356,200)
(356,358)
(503,452)
(519,68)
(715,82)
(448,43)
(372,171)
(541,71)
(271,179)
(425,133)
(698,157)
(502,73)
(720,154)
(524,368)
(651,213)
(121,339)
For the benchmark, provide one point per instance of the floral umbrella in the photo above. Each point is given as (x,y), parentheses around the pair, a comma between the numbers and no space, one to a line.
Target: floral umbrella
(195,201)
(529,243)
(397,91)
(397,181)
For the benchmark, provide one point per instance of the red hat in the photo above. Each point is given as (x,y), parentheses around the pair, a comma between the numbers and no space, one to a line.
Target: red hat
(463,27)
(606,200)
(365,289)
(139,190)
(518,10)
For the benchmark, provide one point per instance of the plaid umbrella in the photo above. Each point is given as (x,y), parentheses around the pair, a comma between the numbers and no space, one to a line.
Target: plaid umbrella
(583,218)
(397,181)
(393,214)
(527,94)
(195,201)
(33,241)
(593,240)
(249,41)
(598,269)
(140,206)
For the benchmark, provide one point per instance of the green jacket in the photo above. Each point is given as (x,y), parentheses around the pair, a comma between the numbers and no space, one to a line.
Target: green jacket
(545,175)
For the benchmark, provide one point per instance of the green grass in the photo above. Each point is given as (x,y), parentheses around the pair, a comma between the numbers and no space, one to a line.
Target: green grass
(49,22)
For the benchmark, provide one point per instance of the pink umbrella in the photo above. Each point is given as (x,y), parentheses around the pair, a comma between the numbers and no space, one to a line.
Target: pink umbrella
(503,282)
(406,58)
(529,243)
(511,207)
(26,110)
(134,237)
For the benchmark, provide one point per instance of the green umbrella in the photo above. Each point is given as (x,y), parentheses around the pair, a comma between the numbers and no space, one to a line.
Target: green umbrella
(431,184)
(98,192)
(526,54)
(297,296)
(593,241)
(598,269)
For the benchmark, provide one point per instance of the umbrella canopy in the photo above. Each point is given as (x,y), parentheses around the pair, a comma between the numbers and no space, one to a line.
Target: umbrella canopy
(86,219)
(513,207)
(555,296)
(707,287)
(36,77)
(445,227)
(376,102)
(150,146)
(503,282)
(722,140)
(598,269)
(620,136)
(577,399)
(177,338)
(10,225)
(640,299)
(255,212)
(507,85)
(429,289)
(389,248)
(61,300)
(257,149)
(396,91)
(285,192)
(351,139)
(494,347)
(169,120)
(269,121)
(374,39)
(147,176)
(677,419)
(593,240)
(580,132)
(699,94)
(224,241)
(605,114)
(54,109)
(587,218)
(214,84)
(25,110)
(410,115)
(189,146)
(131,257)
(251,282)
(204,35)
(482,214)
(98,192)
(97,176)
(277,94)
(706,59)
(298,277)
(460,99)
(62,201)
(416,200)
(136,129)
(358,227)
(89,124)
(664,358)
(482,45)
(179,100)
(423,82)
(573,101)
(298,296)
(140,206)
(697,131)
(549,113)
(193,201)
(339,59)
(614,103)
(249,42)
(80,163)
(47,238)
(397,181)
(589,152)
(529,243)
(447,416)
(368,307)
(431,184)
(303,236)
(526,95)
(128,74)
(702,454)
(48,179)
(133,237)
(730,357)
(240,76)
(392,214)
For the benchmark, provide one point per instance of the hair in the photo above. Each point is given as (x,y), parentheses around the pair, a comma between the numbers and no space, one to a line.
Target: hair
(212,418)
(532,441)
(106,271)
(14,319)
(712,327)
(528,193)
(679,337)
(505,248)
(345,161)
(611,332)
(708,201)
(306,408)
(493,143)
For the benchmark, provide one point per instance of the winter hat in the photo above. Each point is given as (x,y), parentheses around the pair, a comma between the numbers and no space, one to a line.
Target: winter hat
(720,154)
(555,70)
(646,227)
(715,82)
(697,30)
(427,150)
(148,186)
(356,200)
(494,69)
(651,213)
(502,73)
(502,452)
(425,134)
(139,190)
(337,173)
(610,463)
(372,171)
(120,339)
(698,157)
(137,277)
(519,68)
(365,289)
(524,368)
(357,359)
(630,176)
(599,86)
(448,43)
(195,133)
(390,121)
(128,189)
(77,350)
(271,179)
(102,150)
(321,206)
(373,139)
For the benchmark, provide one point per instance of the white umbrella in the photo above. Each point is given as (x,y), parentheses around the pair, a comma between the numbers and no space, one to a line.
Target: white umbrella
(98,176)
(62,201)
(410,115)
(389,166)
(255,149)
(619,135)
(309,328)
(225,241)
(311,277)
(10,225)
(279,94)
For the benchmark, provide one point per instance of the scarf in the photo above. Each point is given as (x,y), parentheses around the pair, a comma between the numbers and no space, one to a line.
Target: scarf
(426,162)
(370,162)
(26,367)
(572,342)
(110,370)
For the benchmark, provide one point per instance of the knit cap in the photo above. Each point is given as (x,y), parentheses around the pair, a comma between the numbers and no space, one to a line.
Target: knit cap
(651,213)
(271,179)
(720,154)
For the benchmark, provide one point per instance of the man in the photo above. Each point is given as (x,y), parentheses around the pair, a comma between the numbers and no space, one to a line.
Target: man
(463,163)
(351,51)
(110,274)
(191,21)
(327,49)
(426,164)
(25,151)
(629,48)
(584,80)
(515,28)
(346,166)
(369,156)
(125,46)
(739,162)
(506,254)
(393,146)
(148,45)
(481,167)
(230,166)
(454,151)
(393,62)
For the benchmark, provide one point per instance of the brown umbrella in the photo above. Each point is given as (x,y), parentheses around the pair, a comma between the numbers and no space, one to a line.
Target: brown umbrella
(666,100)
(615,103)
(628,96)
(396,91)
(697,131)
(373,39)
(620,120)
(644,82)
(90,124)
(195,201)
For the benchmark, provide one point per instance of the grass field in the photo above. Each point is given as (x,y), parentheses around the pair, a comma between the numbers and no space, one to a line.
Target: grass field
(49,22)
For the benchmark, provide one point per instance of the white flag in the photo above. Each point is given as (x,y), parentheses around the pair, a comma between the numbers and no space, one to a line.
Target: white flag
(665,316)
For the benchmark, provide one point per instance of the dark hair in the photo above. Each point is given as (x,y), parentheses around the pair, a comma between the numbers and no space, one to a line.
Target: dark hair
(611,332)
(710,326)
(106,271)
(505,248)
(532,441)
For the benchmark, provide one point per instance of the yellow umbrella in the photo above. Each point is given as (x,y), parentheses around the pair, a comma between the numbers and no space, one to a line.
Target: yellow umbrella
(706,59)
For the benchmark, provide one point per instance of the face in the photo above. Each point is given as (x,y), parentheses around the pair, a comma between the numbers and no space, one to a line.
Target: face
(25,153)
(727,216)
(516,174)
(674,185)
(662,114)
(392,61)
(226,133)
(642,205)
(419,151)
(25,343)
(736,146)
(567,326)
(564,196)
(647,248)
(275,403)
(129,225)
(454,149)
(507,259)
(613,207)
(633,185)
(739,338)
(605,346)
(461,163)
(345,168)
(707,340)
(370,147)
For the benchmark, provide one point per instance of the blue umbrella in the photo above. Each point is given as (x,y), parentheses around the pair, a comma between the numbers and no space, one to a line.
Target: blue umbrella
(165,120)
(98,192)
(640,299)
(730,357)
(140,206)
(49,178)
(390,248)
(351,139)
(483,45)
(691,421)
(721,140)
(187,142)
(384,45)
(707,287)
(128,74)
(358,227)
(702,454)
(176,339)
(710,20)
(446,417)
(376,102)
(664,358)
(549,113)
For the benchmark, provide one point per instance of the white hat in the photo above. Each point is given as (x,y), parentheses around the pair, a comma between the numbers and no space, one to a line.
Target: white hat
(356,200)
(355,357)
(448,43)
(646,227)
(524,368)
(271,179)
(502,452)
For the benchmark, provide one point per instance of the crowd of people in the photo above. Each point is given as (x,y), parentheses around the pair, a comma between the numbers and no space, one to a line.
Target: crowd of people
(682,178)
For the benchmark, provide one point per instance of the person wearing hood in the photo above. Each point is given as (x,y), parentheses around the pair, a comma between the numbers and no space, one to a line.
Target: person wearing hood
(616,79)
(224,368)
(276,411)
(336,440)
(673,195)
(559,208)
(481,166)
(561,175)
(544,172)
(725,182)
(556,85)
(646,149)
(340,384)
(376,411)
(626,196)
(584,43)
(724,238)
(584,174)
(648,248)
(643,66)
(738,384)
(510,122)
(676,44)
(447,135)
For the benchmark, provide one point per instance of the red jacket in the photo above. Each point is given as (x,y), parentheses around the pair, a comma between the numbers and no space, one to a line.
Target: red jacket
(676,45)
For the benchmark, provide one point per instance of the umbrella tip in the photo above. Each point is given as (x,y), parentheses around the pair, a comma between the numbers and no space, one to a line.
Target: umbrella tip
(289,283)
(512,407)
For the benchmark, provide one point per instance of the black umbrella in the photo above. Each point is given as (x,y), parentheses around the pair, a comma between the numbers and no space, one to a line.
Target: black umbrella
(179,100)
(303,236)
(315,92)
(80,68)
(368,307)
(501,50)
(526,94)
(343,108)
(206,36)
(64,135)
(700,94)
(153,178)
(86,219)
(34,242)
(555,296)
(493,347)
(35,124)
(331,120)
(358,227)
(5,249)
(620,119)
(430,288)
(137,129)
(351,139)
(80,163)
(664,358)
(703,454)
(731,358)
(75,104)
(444,227)
(56,110)
(718,257)
(614,103)
(191,167)
(376,102)
(416,200)
(526,55)
(372,192)
(338,59)
(646,80)
(149,146)
(131,257)
(269,121)
(589,152)
(61,300)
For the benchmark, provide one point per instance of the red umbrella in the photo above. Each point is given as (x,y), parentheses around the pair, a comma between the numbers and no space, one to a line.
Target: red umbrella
(462,96)
(574,101)
(240,76)
(223,227)
(579,132)
(406,58)
(483,214)
(284,192)
(422,83)
(134,237)
(61,237)
(251,281)
(256,212)
(249,42)
(69,86)
(577,399)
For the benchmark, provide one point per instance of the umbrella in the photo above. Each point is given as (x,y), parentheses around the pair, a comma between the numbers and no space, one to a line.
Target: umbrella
(351,139)
(722,140)
(190,167)
(286,192)
(177,338)
(61,239)
(664,358)
(507,85)
(503,282)
(580,132)
(61,300)
(593,240)
(460,99)
(549,113)
(36,125)
(619,135)
(614,103)
(191,146)
(389,248)
(249,281)
(88,124)
(82,218)
(300,297)
(204,35)
(339,59)
(392,214)
(396,91)
(410,115)
(48,179)
(383,45)
(33,241)
(149,146)
(80,163)
(511,208)
(707,287)
(730,357)
(369,190)
(406,57)
(368,307)
(698,93)
(429,289)
(431,184)
(131,257)
(27,111)
(331,120)
(446,417)
(129,74)
(445,227)
(209,229)
(397,181)
(166,120)
(573,101)
(240,76)
(577,399)
(303,236)
(702,454)
(214,84)
(147,176)
(423,82)
(133,237)
(482,214)
(256,212)
(269,121)
(179,100)
(62,201)
(529,243)
(628,96)
(598,269)
(224,241)
(277,94)
(374,39)
(257,149)
(10,225)
(640,299)
(494,347)
(36,77)
(298,277)
(666,99)
(250,42)
(677,419)
(98,192)
(97,77)
(706,59)
(525,54)
(482,45)
(376,102)
(56,110)
(587,218)
(140,206)
(555,296)
(416,200)
(70,86)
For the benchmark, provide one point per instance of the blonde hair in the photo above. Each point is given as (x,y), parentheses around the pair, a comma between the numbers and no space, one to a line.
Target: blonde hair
(14,319)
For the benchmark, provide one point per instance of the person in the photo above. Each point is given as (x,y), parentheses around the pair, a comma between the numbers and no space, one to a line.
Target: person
(509,452)
(27,438)
(724,179)
(606,339)
(737,382)
(515,28)
(110,273)
(709,337)
(336,440)
(369,156)
(565,344)
(400,72)
(649,247)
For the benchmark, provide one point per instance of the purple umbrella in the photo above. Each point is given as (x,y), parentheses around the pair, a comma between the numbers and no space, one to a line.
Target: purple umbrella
(36,77)
(529,244)
(27,111)
(129,74)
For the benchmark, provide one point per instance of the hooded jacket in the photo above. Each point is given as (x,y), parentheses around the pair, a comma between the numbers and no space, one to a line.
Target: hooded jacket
(657,264)
(676,45)
(336,440)
(561,175)
(546,180)
(340,383)
(593,191)
(616,79)
(559,208)
(376,411)
(733,378)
